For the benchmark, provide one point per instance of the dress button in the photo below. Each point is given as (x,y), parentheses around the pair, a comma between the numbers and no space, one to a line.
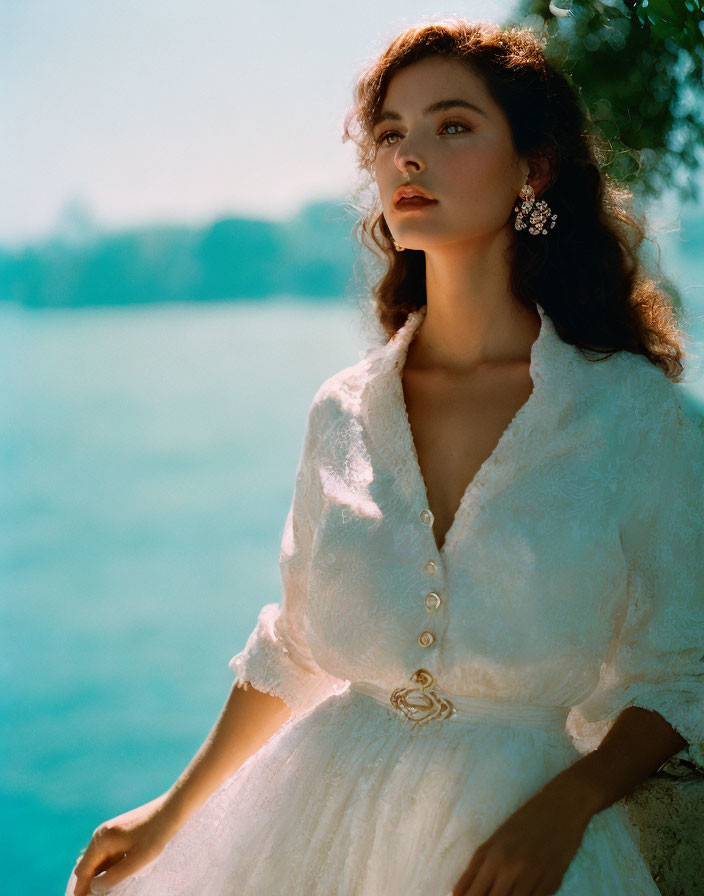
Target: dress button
(430,567)
(426,516)
(425,639)
(432,600)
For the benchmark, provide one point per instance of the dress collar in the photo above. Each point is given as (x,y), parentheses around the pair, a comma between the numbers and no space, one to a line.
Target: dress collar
(550,356)
(534,429)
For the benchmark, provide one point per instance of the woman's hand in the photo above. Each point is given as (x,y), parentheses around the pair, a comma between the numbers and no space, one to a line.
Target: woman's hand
(530,852)
(121,846)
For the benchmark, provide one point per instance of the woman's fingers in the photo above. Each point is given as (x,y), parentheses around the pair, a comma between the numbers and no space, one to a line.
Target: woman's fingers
(123,868)
(102,852)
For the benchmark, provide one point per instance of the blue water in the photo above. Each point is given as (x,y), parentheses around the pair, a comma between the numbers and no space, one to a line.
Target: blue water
(148,458)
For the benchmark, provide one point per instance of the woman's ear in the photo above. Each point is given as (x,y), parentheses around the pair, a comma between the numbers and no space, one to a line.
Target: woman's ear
(542,171)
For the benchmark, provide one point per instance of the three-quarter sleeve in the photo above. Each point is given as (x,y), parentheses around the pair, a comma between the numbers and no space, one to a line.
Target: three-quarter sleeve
(656,659)
(276,657)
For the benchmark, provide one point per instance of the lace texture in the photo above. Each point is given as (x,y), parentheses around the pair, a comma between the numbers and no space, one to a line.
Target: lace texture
(573,572)
(572,575)
(345,800)
(276,658)
(657,657)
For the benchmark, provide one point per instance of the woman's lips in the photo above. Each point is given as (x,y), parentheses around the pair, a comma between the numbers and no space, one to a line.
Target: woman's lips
(415,202)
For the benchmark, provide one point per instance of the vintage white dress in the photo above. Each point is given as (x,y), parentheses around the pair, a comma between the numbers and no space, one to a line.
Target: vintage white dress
(570,585)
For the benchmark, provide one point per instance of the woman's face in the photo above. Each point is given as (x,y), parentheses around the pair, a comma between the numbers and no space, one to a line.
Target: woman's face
(464,157)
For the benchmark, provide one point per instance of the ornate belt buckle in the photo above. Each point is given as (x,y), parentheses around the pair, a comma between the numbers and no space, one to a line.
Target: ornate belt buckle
(421,704)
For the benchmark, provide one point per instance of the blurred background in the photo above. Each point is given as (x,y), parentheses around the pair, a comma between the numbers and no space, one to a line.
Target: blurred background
(174,241)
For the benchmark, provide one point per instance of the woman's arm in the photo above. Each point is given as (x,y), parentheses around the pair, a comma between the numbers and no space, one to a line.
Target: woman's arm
(122,845)
(246,722)
(637,744)
(533,848)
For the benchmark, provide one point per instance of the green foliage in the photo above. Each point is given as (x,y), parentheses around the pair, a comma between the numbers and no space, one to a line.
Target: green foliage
(638,66)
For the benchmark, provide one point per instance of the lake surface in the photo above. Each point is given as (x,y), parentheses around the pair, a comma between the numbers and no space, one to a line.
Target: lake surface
(148,459)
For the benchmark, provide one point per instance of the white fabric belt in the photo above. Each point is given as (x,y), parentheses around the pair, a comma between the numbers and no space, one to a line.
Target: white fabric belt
(424,702)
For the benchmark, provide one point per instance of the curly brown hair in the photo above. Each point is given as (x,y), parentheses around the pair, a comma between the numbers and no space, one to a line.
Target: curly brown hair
(587,274)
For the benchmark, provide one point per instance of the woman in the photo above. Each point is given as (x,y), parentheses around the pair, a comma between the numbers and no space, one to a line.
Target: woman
(491,622)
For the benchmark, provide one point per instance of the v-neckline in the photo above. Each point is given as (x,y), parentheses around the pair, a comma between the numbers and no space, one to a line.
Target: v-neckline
(407,443)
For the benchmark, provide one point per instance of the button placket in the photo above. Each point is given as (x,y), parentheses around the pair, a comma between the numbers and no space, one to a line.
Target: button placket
(432,598)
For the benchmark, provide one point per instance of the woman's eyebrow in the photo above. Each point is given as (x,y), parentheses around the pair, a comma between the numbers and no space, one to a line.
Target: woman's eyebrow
(388,114)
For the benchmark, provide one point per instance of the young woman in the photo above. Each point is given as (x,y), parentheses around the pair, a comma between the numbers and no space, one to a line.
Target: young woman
(491,622)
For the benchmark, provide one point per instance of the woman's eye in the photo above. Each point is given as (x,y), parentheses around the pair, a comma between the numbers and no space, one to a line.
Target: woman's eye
(383,137)
(453,124)
(448,124)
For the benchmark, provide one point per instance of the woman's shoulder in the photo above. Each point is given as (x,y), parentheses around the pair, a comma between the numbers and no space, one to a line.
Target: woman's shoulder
(342,390)
(638,410)
(652,418)
(630,387)
(655,397)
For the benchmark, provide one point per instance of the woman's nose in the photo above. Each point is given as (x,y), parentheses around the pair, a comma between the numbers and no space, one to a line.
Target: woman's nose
(407,161)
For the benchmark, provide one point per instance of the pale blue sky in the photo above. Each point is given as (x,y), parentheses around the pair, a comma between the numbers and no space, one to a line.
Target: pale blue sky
(184,110)
(153,110)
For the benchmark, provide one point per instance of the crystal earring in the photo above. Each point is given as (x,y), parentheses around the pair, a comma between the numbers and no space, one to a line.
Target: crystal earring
(540,213)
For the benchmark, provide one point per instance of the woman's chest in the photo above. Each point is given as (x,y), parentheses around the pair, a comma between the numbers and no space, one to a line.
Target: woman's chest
(455,424)
(535,564)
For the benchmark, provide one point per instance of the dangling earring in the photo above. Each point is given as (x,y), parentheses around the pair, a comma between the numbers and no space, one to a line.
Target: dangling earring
(540,213)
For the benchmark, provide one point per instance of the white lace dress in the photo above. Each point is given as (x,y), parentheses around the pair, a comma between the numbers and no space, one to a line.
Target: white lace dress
(435,691)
